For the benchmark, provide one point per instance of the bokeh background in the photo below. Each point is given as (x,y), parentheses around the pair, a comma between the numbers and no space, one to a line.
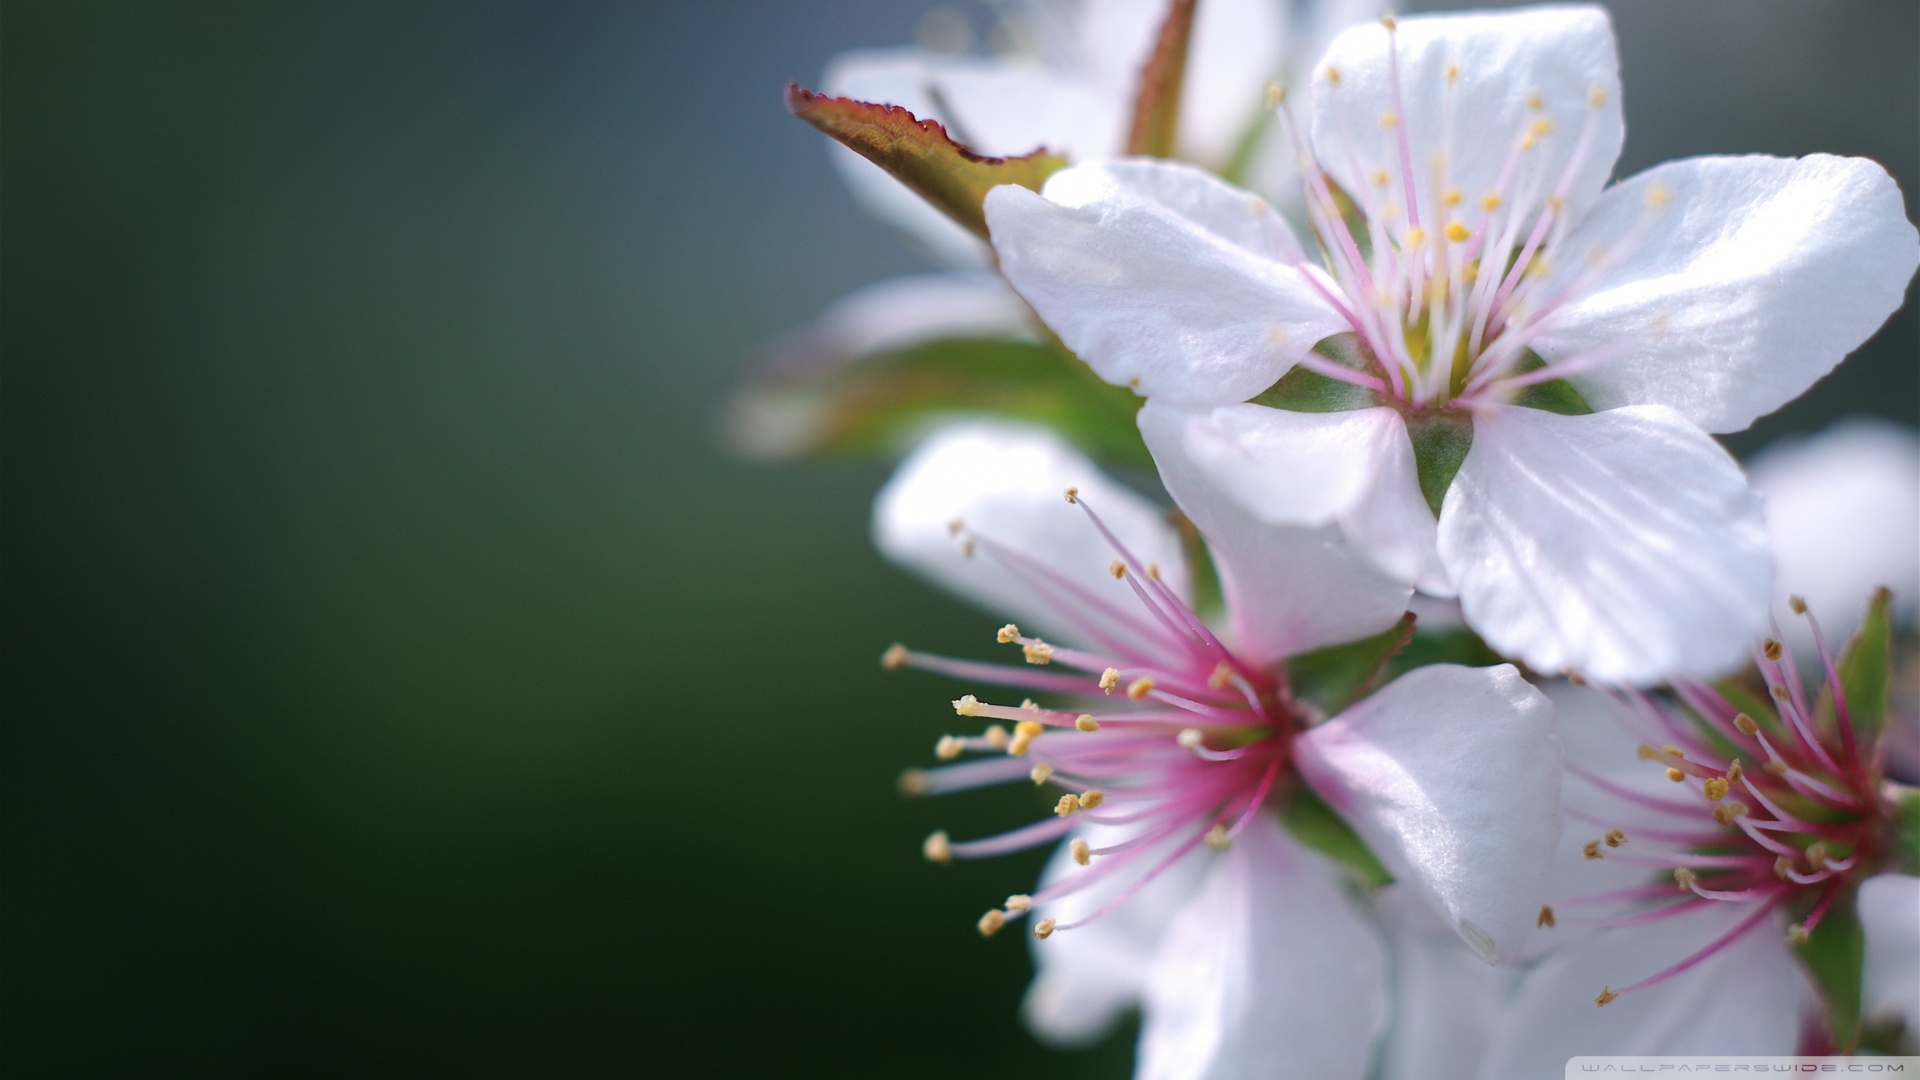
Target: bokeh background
(398,675)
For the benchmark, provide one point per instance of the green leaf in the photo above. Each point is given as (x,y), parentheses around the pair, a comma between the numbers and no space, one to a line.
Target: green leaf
(878,404)
(920,154)
(1209,602)
(1300,390)
(1834,955)
(1156,107)
(1442,645)
(1313,823)
(1866,665)
(1336,677)
(1906,827)
(1440,443)
(1554,395)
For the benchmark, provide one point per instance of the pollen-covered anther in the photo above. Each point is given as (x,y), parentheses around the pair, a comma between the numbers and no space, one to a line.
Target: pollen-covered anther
(1415,237)
(1275,94)
(1771,649)
(1067,805)
(1086,722)
(1139,688)
(1798,604)
(1379,178)
(1190,738)
(1658,196)
(1221,675)
(1332,74)
(1044,929)
(996,736)
(1081,850)
(1109,679)
(1153,570)
(949,747)
(1647,753)
(1817,855)
(1735,771)
(1745,723)
(1388,21)
(895,657)
(1029,705)
(1073,495)
(991,922)
(1684,877)
(1798,934)
(1606,996)
(1777,768)
(1218,838)
(1615,838)
(1117,568)
(1007,633)
(1546,917)
(1674,750)
(1597,97)
(1040,773)
(1453,74)
(1782,866)
(1019,902)
(1781,692)
(1535,102)
(1591,849)
(966,705)
(1457,232)
(1729,812)
(937,848)
(1389,120)
(912,782)
(1091,799)
(954,527)
(1490,201)
(1716,789)
(1676,775)
(1037,652)
(1024,733)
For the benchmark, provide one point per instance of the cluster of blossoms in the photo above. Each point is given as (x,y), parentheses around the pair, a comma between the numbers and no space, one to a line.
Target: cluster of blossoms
(1442,727)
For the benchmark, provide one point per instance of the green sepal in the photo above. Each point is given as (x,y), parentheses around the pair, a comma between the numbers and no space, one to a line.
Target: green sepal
(1905,817)
(1442,645)
(1300,390)
(1339,675)
(1554,395)
(920,154)
(1156,108)
(1440,444)
(877,405)
(1209,600)
(1866,666)
(1314,824)
(1835,954)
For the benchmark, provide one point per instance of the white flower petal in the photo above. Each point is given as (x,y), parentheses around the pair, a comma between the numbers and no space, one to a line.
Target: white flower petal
(1353,468)
(1561,57)
(1445,1001)
(1757,277)
(1452,776)
(1087,978)
(1005,482)
(1624,545)
(1843,518)
(1749,998)
(905,311)
(1288,589)
(994,106)
(1890,915)
(1268,972)
(1162,277)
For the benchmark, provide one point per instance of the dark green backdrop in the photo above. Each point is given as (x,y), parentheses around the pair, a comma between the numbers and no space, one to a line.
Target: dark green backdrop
(397,676)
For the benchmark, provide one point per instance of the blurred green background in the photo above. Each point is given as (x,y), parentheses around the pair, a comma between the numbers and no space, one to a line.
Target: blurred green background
(398,677)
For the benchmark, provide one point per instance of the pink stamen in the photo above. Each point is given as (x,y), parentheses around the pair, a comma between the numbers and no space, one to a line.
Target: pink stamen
(1697,958)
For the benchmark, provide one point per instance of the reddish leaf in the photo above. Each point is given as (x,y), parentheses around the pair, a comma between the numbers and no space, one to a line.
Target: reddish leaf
(1156,108)
(920,153)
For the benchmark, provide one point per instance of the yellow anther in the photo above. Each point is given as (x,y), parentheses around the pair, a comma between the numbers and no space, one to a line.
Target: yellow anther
(1606,995)
(1453,74)
(1040,773)
(1676,775)
(1029,728)
(1082,851)
(954,527)
(1007,633)
(1389,121)
(1546,916)
(1782,866)
(1684,877)
(1658,196)
(1735,771)
(1067,805)
(1086,722)
(937,848)
(912,782)
(1556,204)
(1541,128)
(1221,675)
(1535,103)
(1745,723)
(1490,201)
(1389,22)
(1416,237)
(966,705)
(1332,73)
(948,748)
(1729,812)
(1117,568)
(1153,570)
(1798,934)
(1275,94)
(991,922)
(1798,604)
(1218,838)
(1716,789)
(1109,679)
(1674,750)
(1029,704)
(996,736)
(1379,178)
(1576,678)
(1539,268)
(1019,902)
(1817,855)
(1471,272)
(1019,744)
(1139,688)
(1596,97)
(1278,337)
(894,658)
(1091,799)
(1450,197)
(1615,838)
(1073,495)
(1037,652)
(1647,753)
(1777,768)
(1043,929)
(1591,849)
(1780,691)
(1771,649)
(1457,232)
